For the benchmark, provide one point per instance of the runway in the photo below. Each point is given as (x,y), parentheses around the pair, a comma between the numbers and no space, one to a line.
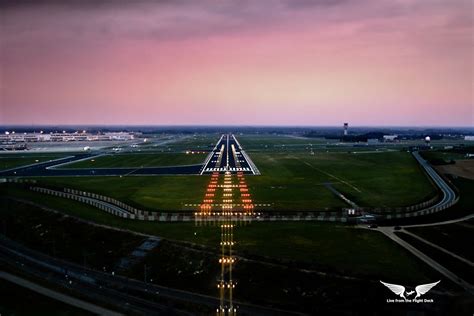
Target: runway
(228,155)
(48,169)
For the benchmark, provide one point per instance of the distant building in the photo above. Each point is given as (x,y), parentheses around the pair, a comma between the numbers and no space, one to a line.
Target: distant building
(469,138)
(389,138)
(63,137)
(372,141)
(346,127)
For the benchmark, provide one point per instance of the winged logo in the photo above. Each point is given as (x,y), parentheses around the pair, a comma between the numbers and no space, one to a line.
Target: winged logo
(401,291)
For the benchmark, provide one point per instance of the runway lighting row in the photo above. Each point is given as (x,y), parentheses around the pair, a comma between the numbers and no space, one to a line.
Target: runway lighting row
(228,213)
(225,285)
(227,260)
(227,243)
(231,311)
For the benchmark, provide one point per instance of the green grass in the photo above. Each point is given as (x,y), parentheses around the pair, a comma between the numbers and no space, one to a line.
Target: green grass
(294,181)
(289,181)
(442,157)
(449,237)
(153,193)
(280,142)
(193,142)
(65,238)
(16,160)
(452,236)
(327,245)
(321,245)
(140,160)
(458,267)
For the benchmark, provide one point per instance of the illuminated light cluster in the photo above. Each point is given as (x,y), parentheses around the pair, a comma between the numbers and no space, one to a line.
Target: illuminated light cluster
(205,207)
(208,195)
(225,260)
(212,186)
(242,185)
(226,206)
(227,194)
(225,285)
(227,201)
(211,190)
(227,243)
(230,311)
(244,190)
(227,189)
(227,225)
(208,201)
(247,201)
(248,206)
(245,195)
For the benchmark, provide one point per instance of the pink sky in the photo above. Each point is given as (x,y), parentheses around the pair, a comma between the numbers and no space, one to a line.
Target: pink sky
(293,62)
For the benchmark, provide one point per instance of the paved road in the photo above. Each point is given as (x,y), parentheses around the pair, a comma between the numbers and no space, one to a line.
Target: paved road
(451,221)
(389,232)
(57,296)
(440,248)
(448,194)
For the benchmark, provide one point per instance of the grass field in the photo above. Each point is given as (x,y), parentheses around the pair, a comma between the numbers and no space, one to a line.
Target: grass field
(153,193)
(322,245)
(65,238)
(442,157)
(140,160)
(8,161)
(448,237)
(296,180)
(458,267)
(191,142)
(289,181)
(292,179)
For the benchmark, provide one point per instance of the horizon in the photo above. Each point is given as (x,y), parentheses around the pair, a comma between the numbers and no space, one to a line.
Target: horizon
(269,63)
(420,127)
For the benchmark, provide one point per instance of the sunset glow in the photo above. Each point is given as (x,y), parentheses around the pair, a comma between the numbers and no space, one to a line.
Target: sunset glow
(220,62)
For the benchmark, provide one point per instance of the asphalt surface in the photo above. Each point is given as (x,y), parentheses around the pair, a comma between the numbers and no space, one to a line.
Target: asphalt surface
(390,233)
(448,197)
(448,194)
(228,155)
(439,248)
(47,169)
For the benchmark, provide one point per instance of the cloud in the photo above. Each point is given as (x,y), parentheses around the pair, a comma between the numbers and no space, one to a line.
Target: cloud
(262,52)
